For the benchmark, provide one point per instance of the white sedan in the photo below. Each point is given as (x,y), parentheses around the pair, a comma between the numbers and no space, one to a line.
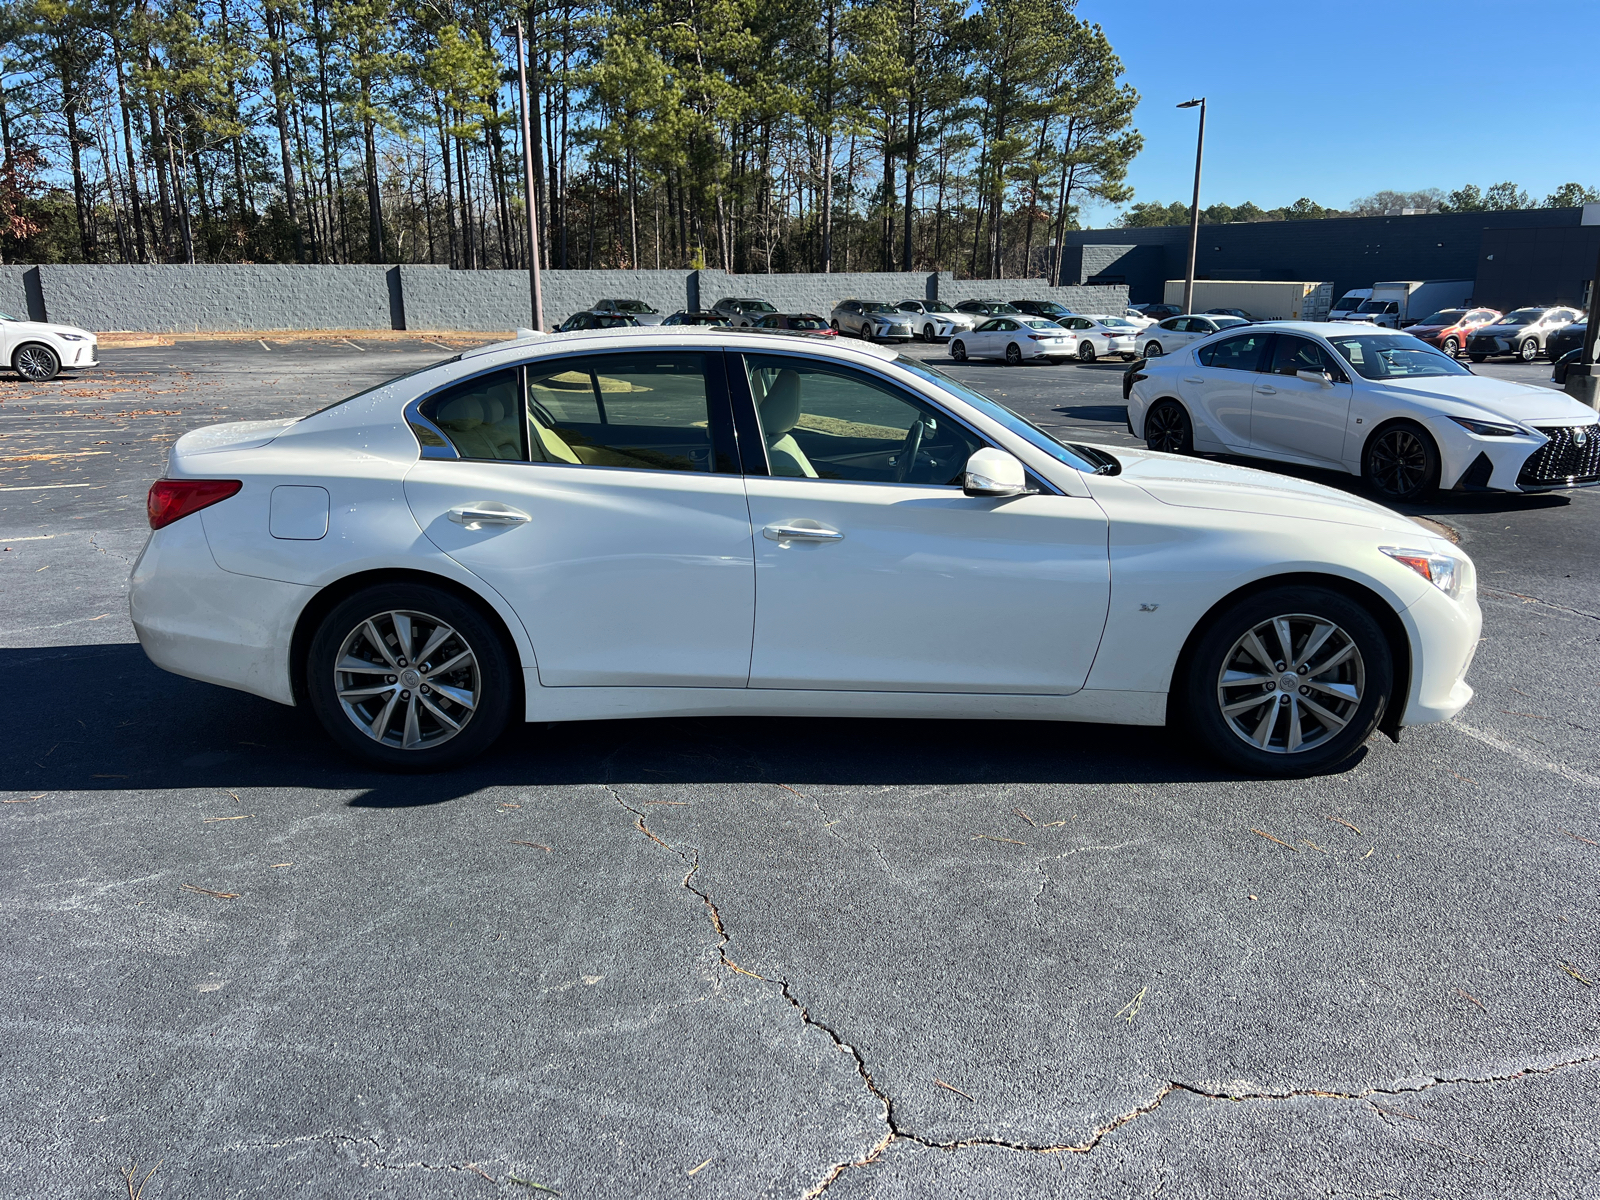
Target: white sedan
(38,350)
(1177,332)
(1372,402)
(1102,335)
(1015,340)
(573,528)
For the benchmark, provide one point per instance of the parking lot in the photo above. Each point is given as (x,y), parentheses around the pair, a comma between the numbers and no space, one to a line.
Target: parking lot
(748,957)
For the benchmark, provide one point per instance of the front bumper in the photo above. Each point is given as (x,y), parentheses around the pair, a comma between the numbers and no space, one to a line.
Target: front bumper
(1444,637)
(1562,457)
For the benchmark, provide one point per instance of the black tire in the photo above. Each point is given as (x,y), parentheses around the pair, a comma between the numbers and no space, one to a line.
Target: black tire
(1451,347)
(1401,463)
(835,326)
(1528,350)
(1013,355)
(426,609)
(1152,350)
(1085,352)
(1167,428)
(36,362)
(958,350)
(1256,738)
(1129,357)
(1477,357)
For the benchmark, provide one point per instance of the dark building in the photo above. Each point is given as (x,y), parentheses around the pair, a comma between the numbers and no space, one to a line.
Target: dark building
(1535,256)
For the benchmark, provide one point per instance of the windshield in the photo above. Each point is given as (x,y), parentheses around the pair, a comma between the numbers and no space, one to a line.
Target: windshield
(874,306)
(631,306)
(937,306)
(1378,306)
(1079,458)
(757,306)
(1445,316)
(1226,322)
(807,323)
(1523,316)
(1115,322)
(1375,356)
(1051,309)
(1040,323)
(1346,303)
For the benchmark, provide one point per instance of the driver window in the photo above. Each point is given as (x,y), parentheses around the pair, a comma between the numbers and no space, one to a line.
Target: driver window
(830,423)
(1300,354)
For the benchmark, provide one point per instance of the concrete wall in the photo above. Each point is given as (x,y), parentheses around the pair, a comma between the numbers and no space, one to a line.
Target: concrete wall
(214,298)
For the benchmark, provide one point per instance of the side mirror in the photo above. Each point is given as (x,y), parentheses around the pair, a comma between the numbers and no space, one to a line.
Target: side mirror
(1321,377)
(994,473)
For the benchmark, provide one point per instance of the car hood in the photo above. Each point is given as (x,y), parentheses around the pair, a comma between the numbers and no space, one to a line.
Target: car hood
(49,327)
(1479,396)
(1221,487)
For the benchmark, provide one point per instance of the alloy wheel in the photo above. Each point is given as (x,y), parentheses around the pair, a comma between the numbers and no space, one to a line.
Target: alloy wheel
(1013,355)
(1398,462)
(1085,352)
(1291,683)
(1451,347)
(958,350)
(1153,350)
(1528,351)
(407,680)
(36,363)
(1166,429)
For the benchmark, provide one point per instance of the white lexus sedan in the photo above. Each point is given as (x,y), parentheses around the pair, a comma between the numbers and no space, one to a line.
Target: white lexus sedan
(1371,402)
(1102,336)
(1015,340)
(38,350)
(1176,332)
(700,522)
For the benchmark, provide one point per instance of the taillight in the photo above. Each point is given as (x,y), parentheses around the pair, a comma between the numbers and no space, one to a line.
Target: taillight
(173,499)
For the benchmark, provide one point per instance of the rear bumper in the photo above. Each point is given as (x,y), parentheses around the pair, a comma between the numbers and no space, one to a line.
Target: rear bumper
(195,619)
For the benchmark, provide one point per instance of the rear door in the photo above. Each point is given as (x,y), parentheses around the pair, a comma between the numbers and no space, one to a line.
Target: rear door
(1297,417)
(1220,389)
(601,495)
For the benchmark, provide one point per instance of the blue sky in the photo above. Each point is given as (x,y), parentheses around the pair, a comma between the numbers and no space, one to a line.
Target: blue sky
(1335,101)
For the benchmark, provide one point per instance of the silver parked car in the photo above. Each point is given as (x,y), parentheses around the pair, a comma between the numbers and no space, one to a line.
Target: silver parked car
(872,320)
(742,312)
(641,312)
(934,320)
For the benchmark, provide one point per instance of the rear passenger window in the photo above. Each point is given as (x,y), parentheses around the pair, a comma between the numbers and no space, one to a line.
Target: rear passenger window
(1241,353)
(482,416)
(647,411)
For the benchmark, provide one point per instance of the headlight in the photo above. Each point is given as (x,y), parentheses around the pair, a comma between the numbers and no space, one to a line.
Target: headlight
(71,337)
(1488,428)
(1445,571)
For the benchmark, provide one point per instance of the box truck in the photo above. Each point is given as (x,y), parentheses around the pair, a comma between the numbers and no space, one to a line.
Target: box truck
(1265,300)
(1404,302)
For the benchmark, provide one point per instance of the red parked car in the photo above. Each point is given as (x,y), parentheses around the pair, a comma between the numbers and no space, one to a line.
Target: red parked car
(1449,327)
(798,323)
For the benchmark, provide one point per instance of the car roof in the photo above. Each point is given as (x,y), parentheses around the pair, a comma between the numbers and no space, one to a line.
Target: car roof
(659,337)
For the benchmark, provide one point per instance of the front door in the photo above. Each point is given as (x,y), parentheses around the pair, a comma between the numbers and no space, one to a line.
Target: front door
(600,495)
(1301,417)
(874,571)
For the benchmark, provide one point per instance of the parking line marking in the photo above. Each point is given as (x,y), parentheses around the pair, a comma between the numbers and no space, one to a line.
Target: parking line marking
(43,487)
(262,343)
(348,342)
(1527,756)
(38,537)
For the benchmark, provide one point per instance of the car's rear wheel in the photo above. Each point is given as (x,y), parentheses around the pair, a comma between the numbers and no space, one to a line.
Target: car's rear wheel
(834,325)
(1288,681)
(35,362)
(958,350)
(1529,350)
(1451,347)
(409,677)
(1152,350)
(1013,355)
(1085,352)
(1401,463)
(1167,428)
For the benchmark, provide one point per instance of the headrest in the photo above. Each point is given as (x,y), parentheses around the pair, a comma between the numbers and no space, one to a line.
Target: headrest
(463,408)
(780,408)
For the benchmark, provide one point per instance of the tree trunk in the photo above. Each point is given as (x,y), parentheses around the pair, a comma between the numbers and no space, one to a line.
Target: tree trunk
(134,203)
(69,105)
(280,112)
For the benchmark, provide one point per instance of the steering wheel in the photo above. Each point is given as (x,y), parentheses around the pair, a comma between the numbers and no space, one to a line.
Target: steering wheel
(909,450)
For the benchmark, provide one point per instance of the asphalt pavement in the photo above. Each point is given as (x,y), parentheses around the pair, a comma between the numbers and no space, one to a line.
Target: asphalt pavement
(742,957)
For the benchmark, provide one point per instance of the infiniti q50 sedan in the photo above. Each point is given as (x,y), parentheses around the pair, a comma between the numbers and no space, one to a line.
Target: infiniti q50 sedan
(702,522)
(1372,402)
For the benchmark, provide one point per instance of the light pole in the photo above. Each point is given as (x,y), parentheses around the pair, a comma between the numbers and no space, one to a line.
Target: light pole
(530,188)
(1194,209)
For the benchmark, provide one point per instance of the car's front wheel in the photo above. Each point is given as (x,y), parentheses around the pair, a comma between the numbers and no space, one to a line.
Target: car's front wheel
(1477,357)
(409,677)
(1401,463)
(35,362)
(1013,355)
(1451,347)
(958,350)
(1085,352)
(1152,350)
(1288,681)
(1529,350)
(1167,428)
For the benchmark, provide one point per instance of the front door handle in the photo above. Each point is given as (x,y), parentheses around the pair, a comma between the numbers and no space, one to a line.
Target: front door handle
(1263,390)
(801,533)
(487,512)
(1193,379)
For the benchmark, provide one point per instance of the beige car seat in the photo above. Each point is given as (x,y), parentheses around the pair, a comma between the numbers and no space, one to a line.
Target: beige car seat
(780,413)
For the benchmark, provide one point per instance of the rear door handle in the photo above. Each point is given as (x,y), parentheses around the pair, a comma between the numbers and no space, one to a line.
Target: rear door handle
(1263,390)
(1193,379)
(801,533)
(487,512)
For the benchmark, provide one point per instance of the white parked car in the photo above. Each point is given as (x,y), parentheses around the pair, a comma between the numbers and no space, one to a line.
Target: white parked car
(1016,340)
(1176,332)
(1102,335)
(569,528)
(38,350)
(1371,402)
(934,320)
(1137,319)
